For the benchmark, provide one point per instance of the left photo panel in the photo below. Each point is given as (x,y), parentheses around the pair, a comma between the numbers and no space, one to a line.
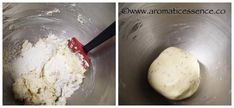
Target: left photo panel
(59,54)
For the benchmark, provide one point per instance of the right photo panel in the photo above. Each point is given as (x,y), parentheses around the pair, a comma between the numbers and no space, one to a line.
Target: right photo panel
(175,53)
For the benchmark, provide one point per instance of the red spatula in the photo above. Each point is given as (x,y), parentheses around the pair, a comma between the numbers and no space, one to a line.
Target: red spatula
(76,47)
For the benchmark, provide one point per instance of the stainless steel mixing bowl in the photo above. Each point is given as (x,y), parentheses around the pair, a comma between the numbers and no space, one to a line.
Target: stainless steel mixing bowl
(143,37)
(85,21)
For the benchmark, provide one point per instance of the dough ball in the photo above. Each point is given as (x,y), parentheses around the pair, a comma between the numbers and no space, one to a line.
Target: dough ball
(175,74)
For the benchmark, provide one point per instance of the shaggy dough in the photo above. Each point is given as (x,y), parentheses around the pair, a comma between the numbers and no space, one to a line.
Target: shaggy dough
(175,74)
(34,90)
(47,72)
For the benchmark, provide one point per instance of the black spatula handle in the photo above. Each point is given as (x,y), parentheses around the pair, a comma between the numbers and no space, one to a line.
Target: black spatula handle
(103,36)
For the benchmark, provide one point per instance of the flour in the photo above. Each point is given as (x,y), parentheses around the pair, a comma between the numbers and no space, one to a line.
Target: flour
(80,18)
(55,10)
(47,72)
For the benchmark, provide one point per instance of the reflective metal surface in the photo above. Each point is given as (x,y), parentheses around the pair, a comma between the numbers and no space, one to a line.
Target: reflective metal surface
(85,21)
(143,37)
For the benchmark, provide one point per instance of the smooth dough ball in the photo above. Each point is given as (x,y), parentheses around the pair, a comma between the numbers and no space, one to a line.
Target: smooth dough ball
(175,74)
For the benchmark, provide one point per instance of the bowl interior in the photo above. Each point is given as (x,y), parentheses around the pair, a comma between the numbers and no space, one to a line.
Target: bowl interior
(143,37)
(34,21)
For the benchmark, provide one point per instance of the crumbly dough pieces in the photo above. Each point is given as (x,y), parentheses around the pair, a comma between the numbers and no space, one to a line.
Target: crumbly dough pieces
(47,72)
(34,90)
